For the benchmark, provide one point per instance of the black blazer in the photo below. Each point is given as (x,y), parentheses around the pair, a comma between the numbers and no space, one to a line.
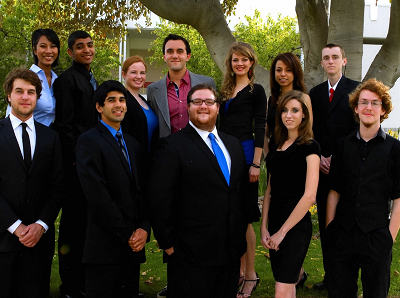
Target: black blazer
(193,208)
(135,123)
(335,120)
(29,195)
(115,205)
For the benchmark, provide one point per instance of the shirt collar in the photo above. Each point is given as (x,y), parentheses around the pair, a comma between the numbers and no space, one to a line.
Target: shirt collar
(204,134)
(37,69)
(186,78)
(111,129)
(334,86)
(380,133)
(16,121)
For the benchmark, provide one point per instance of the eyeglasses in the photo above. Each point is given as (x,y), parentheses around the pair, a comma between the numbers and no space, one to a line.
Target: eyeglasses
(374,103)
(199,101)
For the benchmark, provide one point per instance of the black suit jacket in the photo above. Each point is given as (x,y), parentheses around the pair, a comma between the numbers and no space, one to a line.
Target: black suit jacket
(193,208)
(335,120)
(115,206)
(29,195)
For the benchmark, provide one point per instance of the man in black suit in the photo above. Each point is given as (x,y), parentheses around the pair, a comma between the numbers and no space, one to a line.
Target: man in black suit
(332,120)
(75,114)
(365,179)
(108,166)
(31,182)
(196,203)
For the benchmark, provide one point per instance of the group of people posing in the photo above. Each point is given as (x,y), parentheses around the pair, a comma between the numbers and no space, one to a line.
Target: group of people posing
(119,165)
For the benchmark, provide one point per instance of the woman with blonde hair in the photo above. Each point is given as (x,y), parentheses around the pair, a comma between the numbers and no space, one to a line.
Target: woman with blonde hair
(242,114)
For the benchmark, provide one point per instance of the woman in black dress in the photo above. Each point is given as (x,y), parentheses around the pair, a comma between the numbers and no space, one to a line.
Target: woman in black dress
(242,114)
(293,173)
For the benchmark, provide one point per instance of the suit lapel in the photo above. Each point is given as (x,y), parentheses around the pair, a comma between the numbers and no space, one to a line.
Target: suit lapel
(40,144)
(338,94)
(194,136)
(161,99)
(325,96)
(114,144)
(8,133)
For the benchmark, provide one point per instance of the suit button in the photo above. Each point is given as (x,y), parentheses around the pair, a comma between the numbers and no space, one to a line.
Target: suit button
(231,215)
(358,204)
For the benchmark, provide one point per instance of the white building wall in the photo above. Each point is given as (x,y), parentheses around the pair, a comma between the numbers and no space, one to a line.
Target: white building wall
(376,24)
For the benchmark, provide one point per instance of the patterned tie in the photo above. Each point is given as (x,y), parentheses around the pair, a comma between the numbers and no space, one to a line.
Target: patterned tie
(93,81)
(26,144)
(220,157)
(331,91)
(121,145)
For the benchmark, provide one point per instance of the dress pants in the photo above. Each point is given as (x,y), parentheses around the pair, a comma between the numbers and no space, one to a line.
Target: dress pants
(350,251)
(322,195)
(188,280)
(72,237)
(23,273)
(112,280)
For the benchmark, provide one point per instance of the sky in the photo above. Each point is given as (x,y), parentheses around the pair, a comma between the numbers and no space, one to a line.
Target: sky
(273,7)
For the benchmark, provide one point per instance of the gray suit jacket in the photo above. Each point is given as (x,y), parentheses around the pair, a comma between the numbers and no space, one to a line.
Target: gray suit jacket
(157,98)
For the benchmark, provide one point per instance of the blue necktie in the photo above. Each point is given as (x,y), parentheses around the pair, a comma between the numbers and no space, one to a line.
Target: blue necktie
(93,81)
(220,157)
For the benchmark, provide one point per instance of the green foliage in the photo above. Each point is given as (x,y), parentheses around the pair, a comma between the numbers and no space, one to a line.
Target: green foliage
(18,19)
(267,36)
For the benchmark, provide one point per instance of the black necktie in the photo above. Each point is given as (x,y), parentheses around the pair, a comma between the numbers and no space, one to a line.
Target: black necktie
(121,145)
(93,81)
(26,144)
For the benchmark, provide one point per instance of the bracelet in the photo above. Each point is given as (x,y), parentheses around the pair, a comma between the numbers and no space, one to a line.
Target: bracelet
(255,166)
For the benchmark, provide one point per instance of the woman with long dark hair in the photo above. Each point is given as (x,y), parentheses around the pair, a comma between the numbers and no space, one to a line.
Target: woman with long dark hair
(45,50)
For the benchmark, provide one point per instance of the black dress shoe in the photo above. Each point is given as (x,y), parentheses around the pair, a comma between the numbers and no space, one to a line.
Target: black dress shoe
(74,295)
(320,286)
(140,295)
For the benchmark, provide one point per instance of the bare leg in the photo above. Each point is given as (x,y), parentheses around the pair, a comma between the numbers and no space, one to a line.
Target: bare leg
(285,290)
(248,262)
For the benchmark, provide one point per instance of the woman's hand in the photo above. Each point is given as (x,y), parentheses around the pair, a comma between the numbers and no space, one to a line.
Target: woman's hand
(265,236)
(254,174)
(276,239)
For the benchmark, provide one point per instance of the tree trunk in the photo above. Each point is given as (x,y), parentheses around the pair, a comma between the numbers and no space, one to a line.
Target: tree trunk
(346,27)
(313,24)
(385,66)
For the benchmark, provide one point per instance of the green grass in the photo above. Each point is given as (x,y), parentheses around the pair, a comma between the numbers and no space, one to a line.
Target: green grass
(154,273)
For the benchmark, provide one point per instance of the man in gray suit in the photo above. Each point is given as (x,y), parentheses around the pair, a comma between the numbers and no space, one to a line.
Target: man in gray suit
(167,97)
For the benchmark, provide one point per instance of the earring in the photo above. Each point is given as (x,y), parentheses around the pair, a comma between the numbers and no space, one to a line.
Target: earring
(232,74)
(250,73)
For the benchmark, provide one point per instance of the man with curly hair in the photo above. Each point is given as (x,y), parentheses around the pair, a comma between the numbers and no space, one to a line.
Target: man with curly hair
(365,180)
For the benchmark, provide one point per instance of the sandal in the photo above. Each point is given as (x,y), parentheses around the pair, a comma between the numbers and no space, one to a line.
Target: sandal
(241,279)
(240,292)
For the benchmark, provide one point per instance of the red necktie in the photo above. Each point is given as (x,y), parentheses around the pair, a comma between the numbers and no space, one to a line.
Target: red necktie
(331,91)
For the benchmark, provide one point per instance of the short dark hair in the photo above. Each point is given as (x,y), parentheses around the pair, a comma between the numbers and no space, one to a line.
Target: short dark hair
(379,89)
(76,35)
(23,74)
(176,37)
(101,92)
(51,36)
(335,45)
(202,87)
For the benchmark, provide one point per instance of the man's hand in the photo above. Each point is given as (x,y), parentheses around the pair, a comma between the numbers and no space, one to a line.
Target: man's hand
(138,240)
(31,234)
(19,230)
(169,251)
(325,164)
